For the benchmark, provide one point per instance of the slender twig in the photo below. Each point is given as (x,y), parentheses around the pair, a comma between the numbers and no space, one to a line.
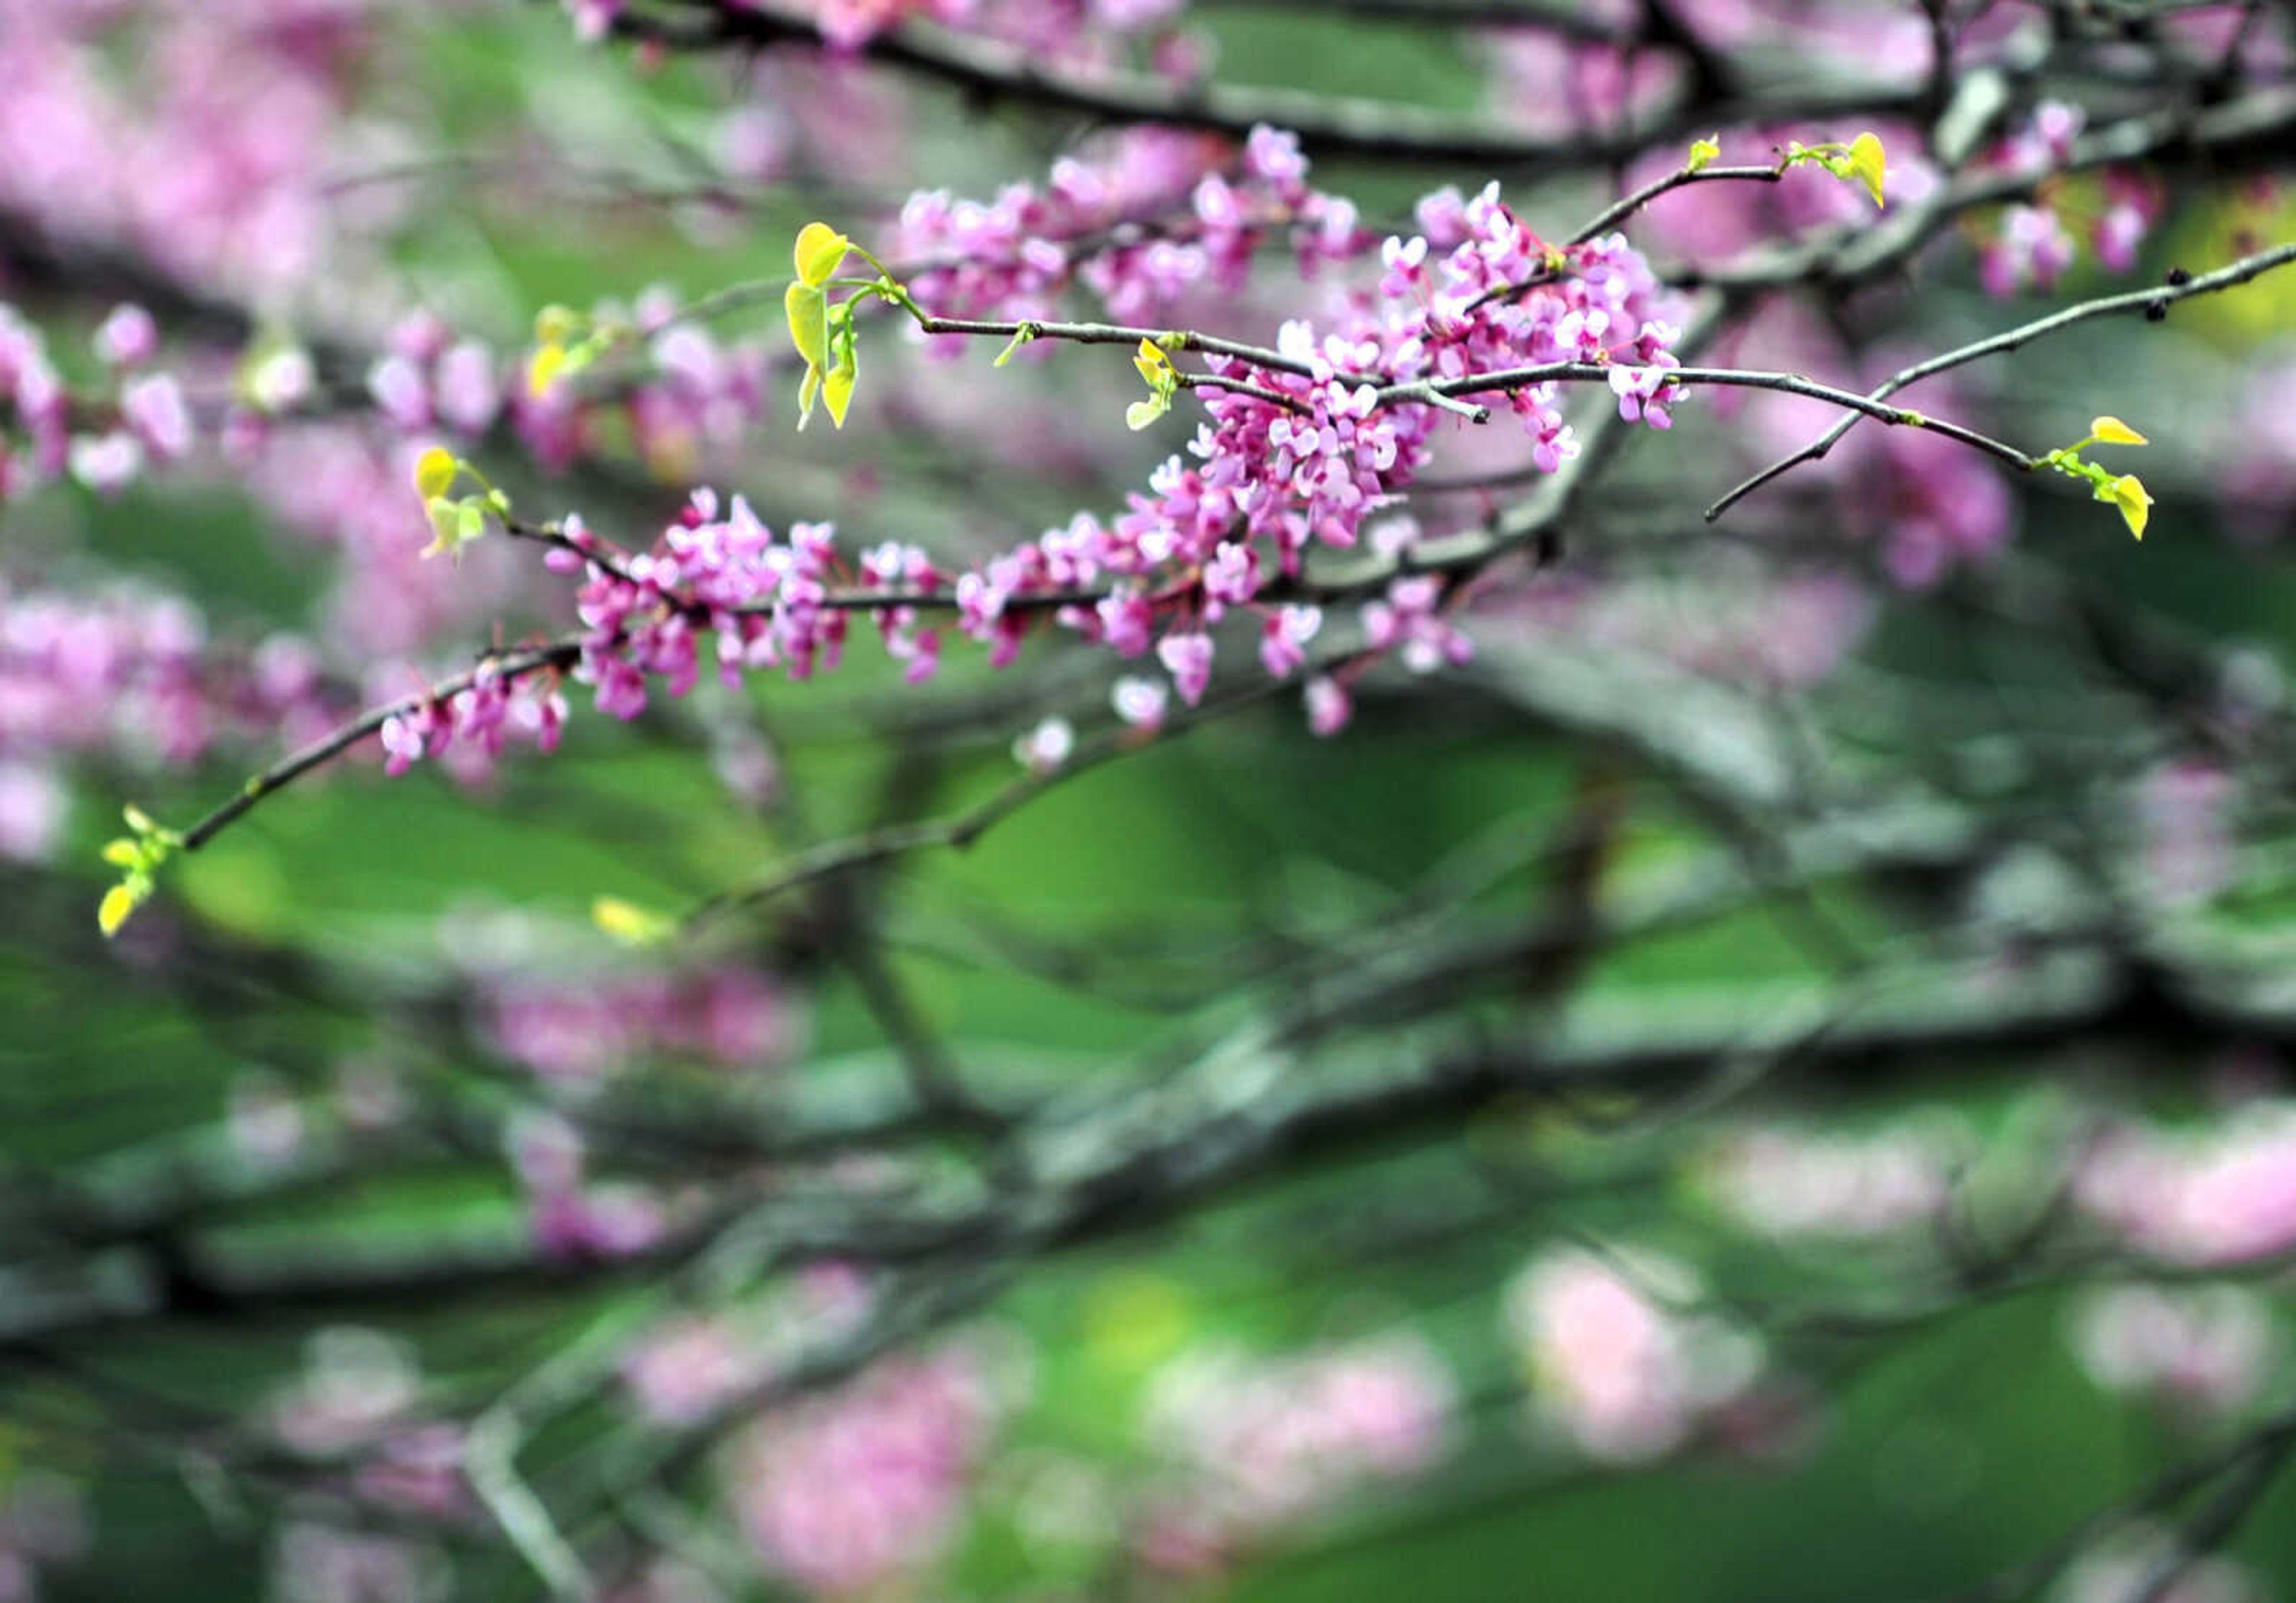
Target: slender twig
(1620,210)
(1582,372)
(1117,333)
(503,666)
(2133,301)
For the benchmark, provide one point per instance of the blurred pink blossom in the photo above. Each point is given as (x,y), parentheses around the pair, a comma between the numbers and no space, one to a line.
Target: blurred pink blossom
(2205,1351)
(1627,1377)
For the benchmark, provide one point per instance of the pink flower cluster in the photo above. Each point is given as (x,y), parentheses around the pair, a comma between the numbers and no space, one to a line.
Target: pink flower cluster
(2202,1351)
(850,1489)
(1257,1443)
(1013,256)
(572,1219)
(129,674)
(1620,1363)
(685,395)
(727,1017)
(200,137)
(1791,1182)
(2197,1196)
(104,442)
(1550,84)
(2033,247)
(687,1368)
(1157,220)
(720,583)
(358,1402)
(1274,476)
(1290,455)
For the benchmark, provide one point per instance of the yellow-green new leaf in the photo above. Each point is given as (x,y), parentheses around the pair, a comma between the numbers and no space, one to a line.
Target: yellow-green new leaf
(453,524)
(820,252)
(629,923)
(556,325)
(1155,367)
(2112,431)
(2135,504)
(434,472)
(1705,152)
(543,371)
(117,903)
(807,394)
(809,323)
(836,389)
(1868,164)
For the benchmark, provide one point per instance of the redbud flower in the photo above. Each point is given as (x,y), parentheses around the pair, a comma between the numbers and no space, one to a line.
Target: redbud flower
(1045,747)
(1188,659)
(128,338)
(1139,702)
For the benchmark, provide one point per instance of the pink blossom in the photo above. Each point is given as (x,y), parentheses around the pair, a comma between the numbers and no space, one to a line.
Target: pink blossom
(1627,1378)
(2225,1197)
(851,1489)
(687,1369)
(1188,659)
(107,464)
(1790,1183)
(1284,634)
(2032,248)
(1046,747)
(2207,1350)
(153,406)
(128,338)
(1265,1442)
(1140,703)
(33,807)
